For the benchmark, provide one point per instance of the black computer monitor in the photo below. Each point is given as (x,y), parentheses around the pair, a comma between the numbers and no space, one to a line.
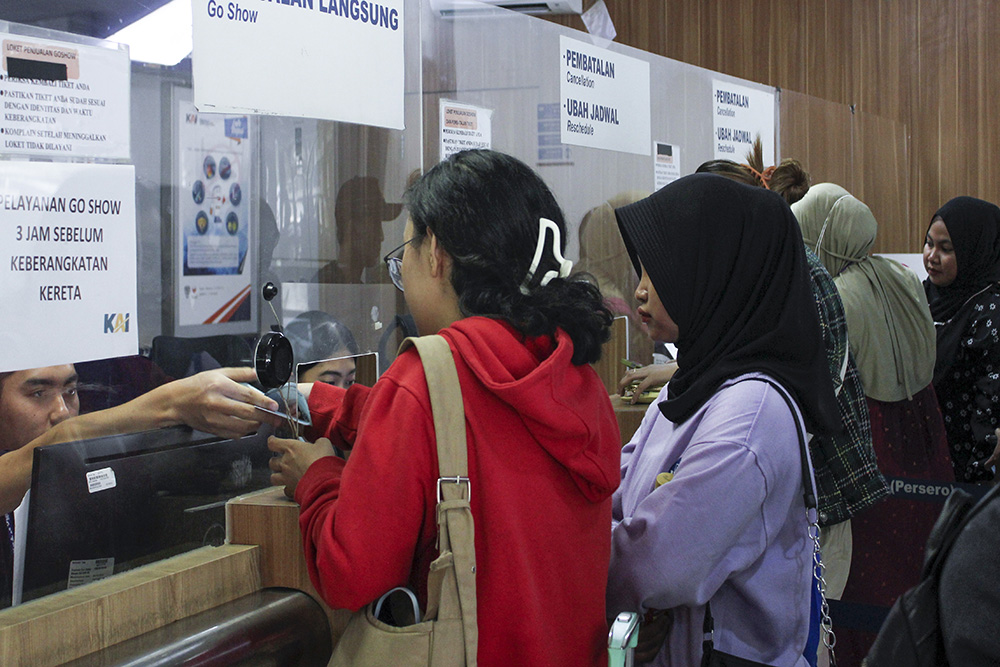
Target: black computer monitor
(110,504)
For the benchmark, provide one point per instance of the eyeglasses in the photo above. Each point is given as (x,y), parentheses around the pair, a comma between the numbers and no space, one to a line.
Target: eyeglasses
(394,262)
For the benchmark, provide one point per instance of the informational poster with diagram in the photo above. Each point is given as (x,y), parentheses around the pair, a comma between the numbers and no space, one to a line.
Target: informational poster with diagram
(212,217)
(68,265)
(63,100)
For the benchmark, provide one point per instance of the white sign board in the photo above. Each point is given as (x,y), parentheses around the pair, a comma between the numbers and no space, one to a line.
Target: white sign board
(214,272)
(666,164)
(63,100)
(68,263)
(913,261)
(604,98)
(330,59)
(463,127)
(739,114)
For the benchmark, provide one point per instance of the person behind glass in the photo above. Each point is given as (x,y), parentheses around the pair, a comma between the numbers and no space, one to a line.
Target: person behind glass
(359,211)
(962,259)
(603,256)
(322,347)
(543,445)
(710,506)
(892,338)
(41,406)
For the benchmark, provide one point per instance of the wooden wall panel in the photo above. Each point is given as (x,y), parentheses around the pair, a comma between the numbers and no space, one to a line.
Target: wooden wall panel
(923,72)
(880,159)
(785,33)
(826,155)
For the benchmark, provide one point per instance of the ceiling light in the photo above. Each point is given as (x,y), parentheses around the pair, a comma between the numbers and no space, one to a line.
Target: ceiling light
(162,36)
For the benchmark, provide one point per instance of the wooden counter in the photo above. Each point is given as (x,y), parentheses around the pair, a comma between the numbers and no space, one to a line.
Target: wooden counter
(71,624)
(629,417)
(264,549)
(270,520)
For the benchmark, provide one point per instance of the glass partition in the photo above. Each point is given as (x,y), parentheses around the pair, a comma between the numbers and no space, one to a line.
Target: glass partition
(319,203)
(509,64)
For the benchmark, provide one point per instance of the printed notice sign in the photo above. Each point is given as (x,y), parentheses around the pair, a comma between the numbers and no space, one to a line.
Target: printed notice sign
(604,98)
(464,127)
(330,59)
(67,263)
(739,114)
(666,164)
(63,100)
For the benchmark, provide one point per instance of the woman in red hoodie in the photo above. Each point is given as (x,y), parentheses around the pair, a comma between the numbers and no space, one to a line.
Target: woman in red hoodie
(543,443)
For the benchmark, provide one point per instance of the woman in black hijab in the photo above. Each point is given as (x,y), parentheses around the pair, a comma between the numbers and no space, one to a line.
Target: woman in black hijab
(711,502)
(732,274)
(962,258)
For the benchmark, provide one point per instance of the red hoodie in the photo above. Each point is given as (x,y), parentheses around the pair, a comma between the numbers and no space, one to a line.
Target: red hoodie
(543,461)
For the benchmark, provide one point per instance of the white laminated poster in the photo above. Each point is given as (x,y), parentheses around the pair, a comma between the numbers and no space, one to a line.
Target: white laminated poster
(666,164)
(464,127)
(68,263)
(739,115)
(64,100)
(604,98)
(212,226)
(329,59)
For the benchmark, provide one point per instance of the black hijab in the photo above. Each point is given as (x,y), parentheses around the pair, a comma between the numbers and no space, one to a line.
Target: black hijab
(728,263)
(974,228)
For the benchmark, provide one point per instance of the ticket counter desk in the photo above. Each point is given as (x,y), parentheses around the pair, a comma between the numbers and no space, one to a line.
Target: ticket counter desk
(610,369)
(629,417)
(246,602)
(250,600)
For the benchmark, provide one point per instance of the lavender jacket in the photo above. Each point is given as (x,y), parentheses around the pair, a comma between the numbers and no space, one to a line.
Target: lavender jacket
(730,527)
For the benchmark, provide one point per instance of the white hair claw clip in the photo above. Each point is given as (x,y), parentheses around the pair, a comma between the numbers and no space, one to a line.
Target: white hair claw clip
(565,266)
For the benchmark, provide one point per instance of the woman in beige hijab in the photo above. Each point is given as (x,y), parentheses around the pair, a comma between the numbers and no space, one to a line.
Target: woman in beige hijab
(892,338)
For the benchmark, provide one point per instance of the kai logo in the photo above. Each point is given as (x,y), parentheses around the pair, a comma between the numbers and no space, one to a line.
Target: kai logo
(116,322)
(191,118)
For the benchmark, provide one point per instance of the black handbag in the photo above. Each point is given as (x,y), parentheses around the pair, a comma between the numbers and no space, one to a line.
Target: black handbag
(712,658)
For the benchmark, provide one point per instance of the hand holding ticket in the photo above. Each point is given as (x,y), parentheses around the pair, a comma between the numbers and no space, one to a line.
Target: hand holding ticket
(289,418)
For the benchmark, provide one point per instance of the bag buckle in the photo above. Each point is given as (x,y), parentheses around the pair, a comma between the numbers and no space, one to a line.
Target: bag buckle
(453,480)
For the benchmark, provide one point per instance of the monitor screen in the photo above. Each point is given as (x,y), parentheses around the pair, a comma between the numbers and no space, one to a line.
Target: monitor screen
(102,506)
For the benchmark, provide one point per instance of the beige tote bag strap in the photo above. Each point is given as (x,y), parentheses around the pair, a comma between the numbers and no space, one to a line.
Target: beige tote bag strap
(455,526)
